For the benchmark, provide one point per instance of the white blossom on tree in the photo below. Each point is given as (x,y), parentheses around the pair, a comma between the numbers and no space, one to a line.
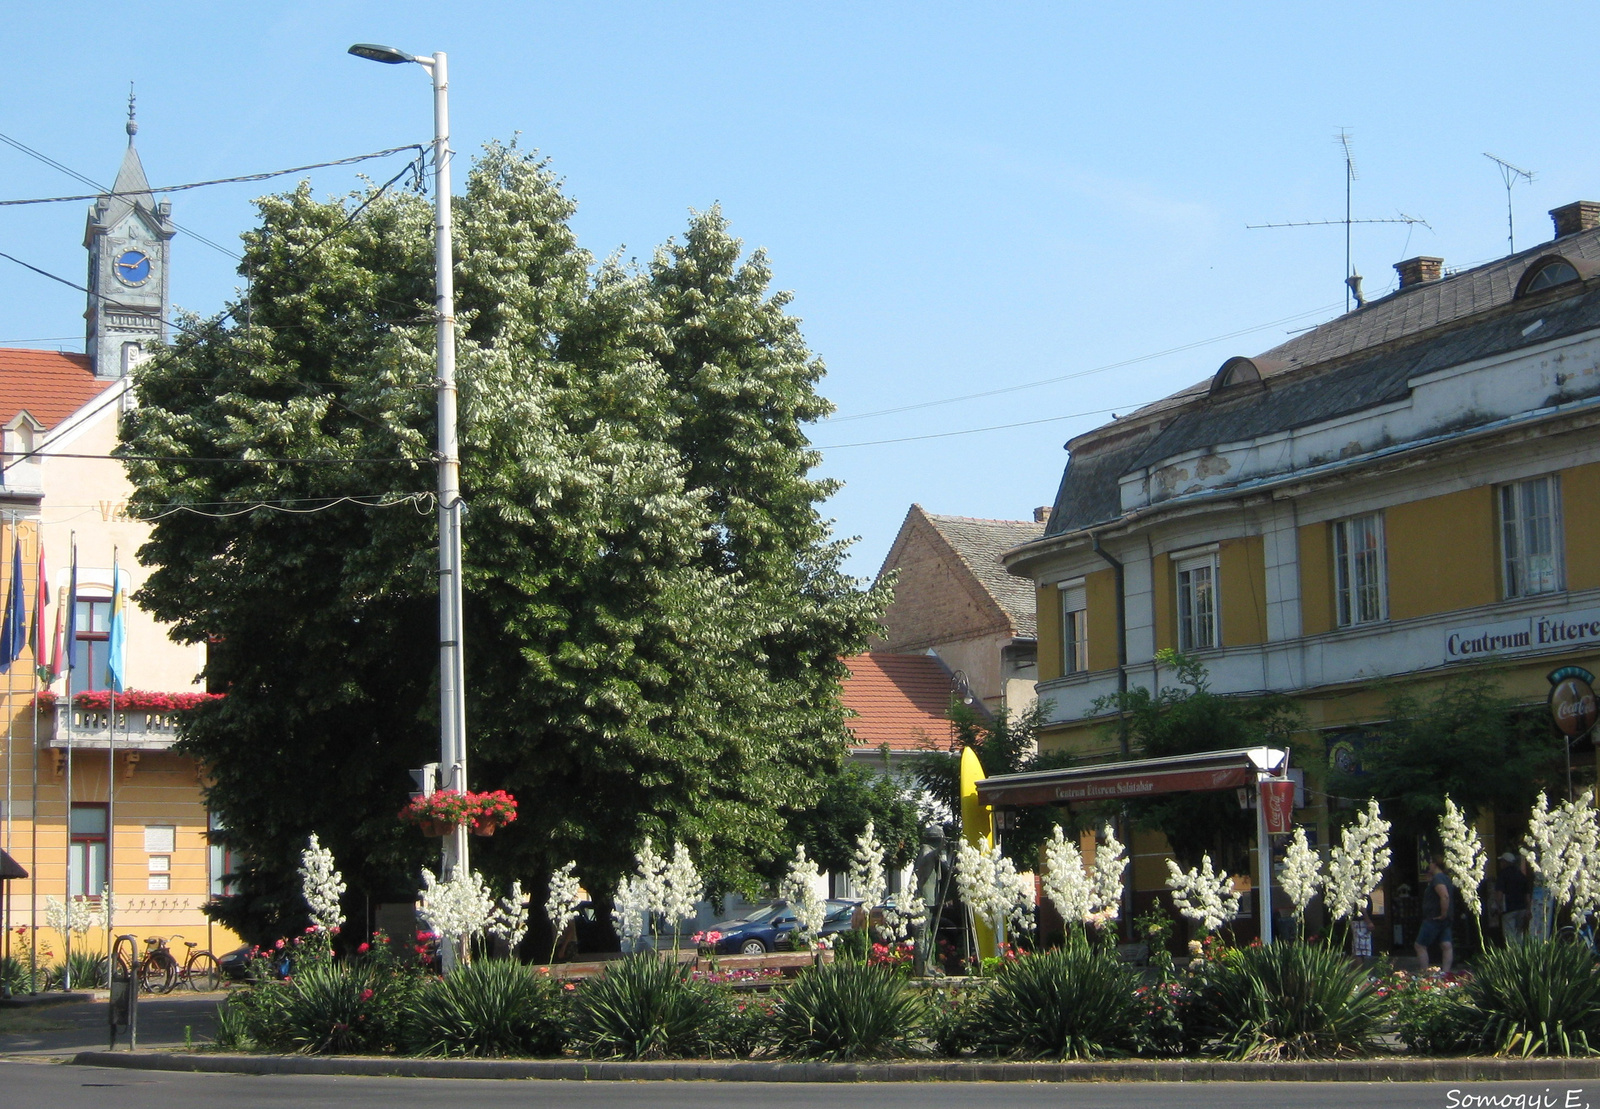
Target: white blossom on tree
(1302,873)
(321,885)
(1110,863)
(1464,856)
(866,868)
(990,885)
(1066,885)
(1356,864)
(799,888)
(510,919)
(1203,895)
(458,908)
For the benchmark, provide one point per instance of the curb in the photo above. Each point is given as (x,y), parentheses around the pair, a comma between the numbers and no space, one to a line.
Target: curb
(30,1000)
(1164,1070)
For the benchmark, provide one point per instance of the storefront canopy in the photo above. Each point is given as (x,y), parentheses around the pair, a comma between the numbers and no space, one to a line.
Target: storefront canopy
(10,868)
(1140,778)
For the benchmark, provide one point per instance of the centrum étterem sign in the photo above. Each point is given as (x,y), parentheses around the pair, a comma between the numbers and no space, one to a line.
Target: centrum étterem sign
(1530,633)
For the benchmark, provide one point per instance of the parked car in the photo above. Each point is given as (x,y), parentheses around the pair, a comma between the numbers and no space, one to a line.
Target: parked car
(770,927)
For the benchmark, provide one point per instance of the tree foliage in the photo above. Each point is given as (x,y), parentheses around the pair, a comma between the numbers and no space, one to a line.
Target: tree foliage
(654,611)
(1187,719)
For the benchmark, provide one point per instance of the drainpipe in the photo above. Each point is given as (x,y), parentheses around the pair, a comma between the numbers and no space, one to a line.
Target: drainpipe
(1119,576)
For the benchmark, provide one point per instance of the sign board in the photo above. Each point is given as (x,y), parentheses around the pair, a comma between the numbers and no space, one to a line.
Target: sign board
(1552,632)
(1277,801)
(1110,787)
(1572,701)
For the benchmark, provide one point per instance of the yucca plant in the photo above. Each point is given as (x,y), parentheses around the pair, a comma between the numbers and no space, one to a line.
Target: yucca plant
(88,971)
(1290,1001)
(15,975)
(847,1010)
(1536,997)
(490,1007)
(1077,1002)
(332,1008)
(643,1007)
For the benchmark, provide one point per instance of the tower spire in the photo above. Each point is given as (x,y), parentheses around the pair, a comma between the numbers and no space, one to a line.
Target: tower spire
(132,125)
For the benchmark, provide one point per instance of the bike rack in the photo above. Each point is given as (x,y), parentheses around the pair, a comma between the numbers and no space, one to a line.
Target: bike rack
(124,1008)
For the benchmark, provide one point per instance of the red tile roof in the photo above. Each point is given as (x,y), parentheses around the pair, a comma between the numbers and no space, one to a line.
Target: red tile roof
(49,384)
(899,700)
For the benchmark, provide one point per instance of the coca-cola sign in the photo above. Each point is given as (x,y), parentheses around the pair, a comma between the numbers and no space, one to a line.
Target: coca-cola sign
(1572,702)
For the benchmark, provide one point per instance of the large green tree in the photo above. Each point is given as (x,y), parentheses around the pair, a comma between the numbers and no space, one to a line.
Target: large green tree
(654,608)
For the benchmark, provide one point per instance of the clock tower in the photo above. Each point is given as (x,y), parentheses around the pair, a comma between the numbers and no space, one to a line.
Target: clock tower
(128,238)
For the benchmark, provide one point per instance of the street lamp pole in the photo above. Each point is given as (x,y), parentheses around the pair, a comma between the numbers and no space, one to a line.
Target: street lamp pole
(452,690)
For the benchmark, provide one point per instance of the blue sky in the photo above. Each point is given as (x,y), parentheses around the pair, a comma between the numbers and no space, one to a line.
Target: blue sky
(961,198)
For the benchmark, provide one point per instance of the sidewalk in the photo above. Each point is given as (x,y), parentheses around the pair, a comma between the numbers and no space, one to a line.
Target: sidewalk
(63,1030)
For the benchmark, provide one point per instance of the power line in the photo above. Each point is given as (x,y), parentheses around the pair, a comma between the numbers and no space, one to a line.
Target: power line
(196,458)
(1083,373)
(976,430)
(222,180)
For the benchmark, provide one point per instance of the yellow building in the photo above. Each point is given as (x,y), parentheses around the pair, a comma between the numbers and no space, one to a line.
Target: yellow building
(1406,490)
(138,808)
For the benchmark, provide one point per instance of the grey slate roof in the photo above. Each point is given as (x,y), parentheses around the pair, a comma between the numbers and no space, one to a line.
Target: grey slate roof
(980,543)
(1322,374)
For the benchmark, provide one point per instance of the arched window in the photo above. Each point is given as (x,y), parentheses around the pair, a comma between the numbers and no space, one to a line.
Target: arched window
(1547,273)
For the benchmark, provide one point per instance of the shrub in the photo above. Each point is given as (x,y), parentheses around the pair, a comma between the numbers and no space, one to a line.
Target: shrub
(1289,1001)
(88,971)
(856,943)
(742,1024)
(329,1009)
(1537,997)
(1431,1016)
(643,1007)
(489,1007)
(951,1027)
(15,975)
(847,1010)
(1076,1002)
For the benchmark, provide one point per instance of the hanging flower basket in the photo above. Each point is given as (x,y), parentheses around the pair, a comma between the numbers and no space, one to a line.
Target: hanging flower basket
(490,811)
(438,812)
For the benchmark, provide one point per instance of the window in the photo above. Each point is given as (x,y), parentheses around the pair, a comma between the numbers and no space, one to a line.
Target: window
(1359,570)
(1558,271)
(94,636)
(220,861)
(86,855)
(1197,603)
(1074,630)
(1530,536)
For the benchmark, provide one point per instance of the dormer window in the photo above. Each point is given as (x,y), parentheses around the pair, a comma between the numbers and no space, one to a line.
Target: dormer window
(1547,273)
(1235,372)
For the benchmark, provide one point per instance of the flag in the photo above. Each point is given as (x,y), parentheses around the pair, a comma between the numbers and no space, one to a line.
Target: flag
(117,648)
(68,659)
(41,598)
(14,628)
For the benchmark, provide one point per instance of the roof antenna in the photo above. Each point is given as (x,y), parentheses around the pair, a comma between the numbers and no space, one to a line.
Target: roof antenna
(132,124)
(1352,280)
(1509,174)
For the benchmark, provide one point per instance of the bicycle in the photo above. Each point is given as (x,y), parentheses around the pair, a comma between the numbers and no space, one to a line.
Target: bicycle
(159,971)
(1582,930)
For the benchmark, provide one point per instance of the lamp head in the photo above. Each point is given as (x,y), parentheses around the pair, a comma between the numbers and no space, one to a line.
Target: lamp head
(385,54)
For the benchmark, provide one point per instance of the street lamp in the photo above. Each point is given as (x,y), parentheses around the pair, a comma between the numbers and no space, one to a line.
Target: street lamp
(452,690)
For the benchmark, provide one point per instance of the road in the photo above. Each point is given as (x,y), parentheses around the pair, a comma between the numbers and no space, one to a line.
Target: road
(30,1084)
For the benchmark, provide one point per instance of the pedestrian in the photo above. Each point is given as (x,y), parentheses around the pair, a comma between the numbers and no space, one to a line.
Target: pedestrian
(1438,902)
(1511,890)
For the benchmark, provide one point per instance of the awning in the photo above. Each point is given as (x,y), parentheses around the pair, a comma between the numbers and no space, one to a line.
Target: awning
(10,868)
(1140,778)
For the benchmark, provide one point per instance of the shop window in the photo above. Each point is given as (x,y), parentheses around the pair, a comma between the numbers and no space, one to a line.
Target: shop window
(1359,571)
(1530,536)
(86,852)
(1197,603)
(1074,630)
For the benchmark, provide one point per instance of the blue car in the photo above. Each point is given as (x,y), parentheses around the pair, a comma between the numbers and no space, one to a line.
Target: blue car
(771,927)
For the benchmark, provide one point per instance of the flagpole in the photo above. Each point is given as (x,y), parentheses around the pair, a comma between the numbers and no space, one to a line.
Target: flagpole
(71,648)
(11,707)
(113,679)
(40,599)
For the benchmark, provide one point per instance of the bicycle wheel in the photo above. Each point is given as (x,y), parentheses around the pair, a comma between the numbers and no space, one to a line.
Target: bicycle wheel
(157,975)
(202,972)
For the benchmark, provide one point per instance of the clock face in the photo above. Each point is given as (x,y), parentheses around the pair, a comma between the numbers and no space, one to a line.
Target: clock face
(132,267)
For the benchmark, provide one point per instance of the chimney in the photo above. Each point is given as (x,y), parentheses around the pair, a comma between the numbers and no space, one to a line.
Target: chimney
(1582,215)
(1041,514)
(1419,271)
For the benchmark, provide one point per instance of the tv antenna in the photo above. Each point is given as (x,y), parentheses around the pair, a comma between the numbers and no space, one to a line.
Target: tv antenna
(1509,174)
(1352,279)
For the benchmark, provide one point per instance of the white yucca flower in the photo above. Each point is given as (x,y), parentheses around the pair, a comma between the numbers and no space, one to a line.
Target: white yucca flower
(652,884)
(866,869)
(990,885)
(566,894)
(510,919)
(681,887)
(87,915)
(629,909)
(1110,863)
(1563,850)
(799,889)
(458,908)
(1066,886)
(902,919)
(1302,873)
(1357,863)
(1464,856)
(1203,895)
(321,885)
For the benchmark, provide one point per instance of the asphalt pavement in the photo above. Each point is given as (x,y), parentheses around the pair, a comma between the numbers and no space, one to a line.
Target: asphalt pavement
(62,1086)
(62,1031)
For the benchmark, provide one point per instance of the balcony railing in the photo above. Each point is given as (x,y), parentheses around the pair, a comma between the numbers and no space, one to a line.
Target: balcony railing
(136,730)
